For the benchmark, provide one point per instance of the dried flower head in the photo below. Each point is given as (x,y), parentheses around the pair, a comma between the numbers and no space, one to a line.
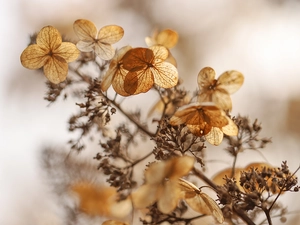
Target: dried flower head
(115,74)
(205,120)
(147,67)
(99,200)
(51,53)
(218,90)
(100,42)
(199,201)
(114,222)
(161,184)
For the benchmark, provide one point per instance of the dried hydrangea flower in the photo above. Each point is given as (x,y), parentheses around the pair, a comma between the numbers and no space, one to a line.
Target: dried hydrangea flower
(51,53)
(207,120)
(161,184)
(147,67)
(100,42)
(218,90)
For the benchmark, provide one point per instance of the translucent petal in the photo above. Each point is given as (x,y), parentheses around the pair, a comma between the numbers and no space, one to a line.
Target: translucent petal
(118,81)
(110,34)
(137,59)
(200,130)
(104,51)
(120,209)
(206,77)
(222,99)
(231,81)
(34,57)
(85,46)
(169,198)
(48,38)
(215,136)
(67,51)
(156,173)
(165,75)
(180,166)
(138,82)
(144,196)
(107,79)
(167,38)
(56,69)
(189,189)
(161,53)
(85,30)
(230,129)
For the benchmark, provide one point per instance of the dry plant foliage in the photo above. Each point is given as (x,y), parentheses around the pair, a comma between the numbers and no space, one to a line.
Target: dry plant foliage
(51,53)
(177,144)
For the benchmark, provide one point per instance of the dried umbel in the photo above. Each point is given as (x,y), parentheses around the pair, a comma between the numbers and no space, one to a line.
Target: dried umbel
(51,53)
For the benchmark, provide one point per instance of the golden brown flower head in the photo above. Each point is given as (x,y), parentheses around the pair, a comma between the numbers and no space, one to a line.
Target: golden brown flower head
(218,90)
(161,184)
(51,53)
(147,67)
(207,120)
(100,42)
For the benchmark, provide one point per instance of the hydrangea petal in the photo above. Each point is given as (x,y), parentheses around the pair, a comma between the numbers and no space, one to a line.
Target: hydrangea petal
(85,30)
(160,52)
(49,38)
(104,51)
(169,197)
(144,196)
(206,77)
(167,38)
(68,51)
(85,46)
(138,82)
(110,34)
(231,81)
(56,69)
(34,57)
(215,136)
(165,75)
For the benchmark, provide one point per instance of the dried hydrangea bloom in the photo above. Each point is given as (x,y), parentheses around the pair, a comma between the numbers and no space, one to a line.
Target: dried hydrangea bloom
(207,120)
(167,38)
(218,90)
(147,67)
(115,74)
(114,222)
(98,200)
(51,53)
(161,184)
(199,201)
(100,42)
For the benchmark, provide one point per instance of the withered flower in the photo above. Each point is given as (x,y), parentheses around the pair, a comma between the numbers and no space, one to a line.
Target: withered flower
(51,53)
(161,184)
(100,42)
(218,90)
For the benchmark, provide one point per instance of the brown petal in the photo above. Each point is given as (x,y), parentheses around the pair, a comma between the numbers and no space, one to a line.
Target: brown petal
(34,57)
(67,51)
(56,69)
(49,38)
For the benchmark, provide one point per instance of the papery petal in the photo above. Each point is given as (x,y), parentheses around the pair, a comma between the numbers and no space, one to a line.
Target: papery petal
(110,34)
(215,136)
(230,129)
(144,196)
(200,130)
(114,222)
(179,166)
(107,79)
(121,209)
(231,81)
(85,30)
(206,77)
(138,82)
(34,57)
(68,51)
(165,75)
(167,38)
(169,198)
(160,52)
(118,82)
(137,59)
(104,51)
(86,46)
(156,173)
(56,69)
(49,38)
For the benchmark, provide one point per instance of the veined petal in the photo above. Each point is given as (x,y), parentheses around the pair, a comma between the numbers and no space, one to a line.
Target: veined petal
(160,52)
(34,57)
(86,46)
(231,81)
(118,81)
(49,38)
(68,51)
(230,129)
(138,82)
(167,38)
(110,34)
(206,77)
(56,69)
(170,197)
(85,30)
(104,51)
(180,166)
(165,75)
(107,79)
(215,136)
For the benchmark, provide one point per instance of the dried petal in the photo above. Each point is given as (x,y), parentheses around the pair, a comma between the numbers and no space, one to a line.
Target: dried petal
(56,69)
(34,57)
(231,81)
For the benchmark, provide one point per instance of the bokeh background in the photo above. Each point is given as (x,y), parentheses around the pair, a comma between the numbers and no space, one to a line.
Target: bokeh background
(261,39)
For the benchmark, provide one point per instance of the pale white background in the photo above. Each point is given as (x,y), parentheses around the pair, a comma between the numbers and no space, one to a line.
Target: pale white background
(259,38)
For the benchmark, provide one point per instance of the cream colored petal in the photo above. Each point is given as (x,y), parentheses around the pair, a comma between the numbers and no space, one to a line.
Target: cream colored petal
(68,51)
(107,79)
(85,30)
(49,38)
(222,99)
(56,69)
(34,57)
(104,51)
(121,209)
(110,34)
(167,38)
(165,75)
(169,198)
(215,136)
(180,166)
(206,77)
(118,82)
(144,196)
(231,81)
(156,173)
(160,52)
(86,46)
(150,41)
(230,129)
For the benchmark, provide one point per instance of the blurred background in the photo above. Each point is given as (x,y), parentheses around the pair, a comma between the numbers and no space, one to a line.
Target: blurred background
(261,39)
